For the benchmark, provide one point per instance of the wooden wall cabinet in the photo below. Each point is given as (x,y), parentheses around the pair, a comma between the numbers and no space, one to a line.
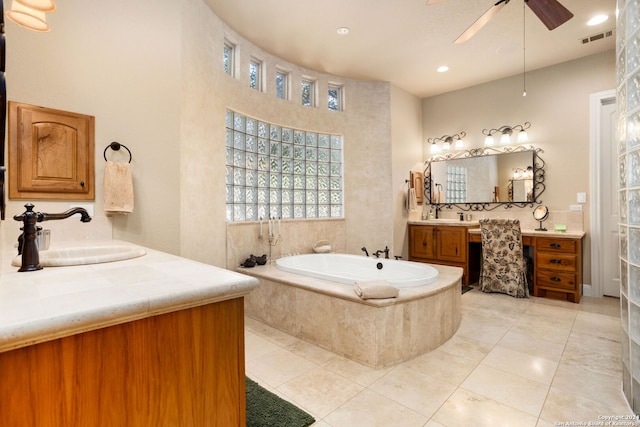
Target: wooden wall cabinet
(446,245)
(51,154)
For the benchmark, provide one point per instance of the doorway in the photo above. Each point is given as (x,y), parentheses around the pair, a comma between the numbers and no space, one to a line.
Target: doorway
(605,272)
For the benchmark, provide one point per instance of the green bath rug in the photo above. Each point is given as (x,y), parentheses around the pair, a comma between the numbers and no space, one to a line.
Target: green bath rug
(265,409)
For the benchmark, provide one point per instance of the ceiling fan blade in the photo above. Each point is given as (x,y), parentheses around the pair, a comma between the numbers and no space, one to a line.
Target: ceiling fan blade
(550,12)
(480,22)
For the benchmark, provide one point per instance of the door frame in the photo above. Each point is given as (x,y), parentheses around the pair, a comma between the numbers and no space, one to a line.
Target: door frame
(596,101)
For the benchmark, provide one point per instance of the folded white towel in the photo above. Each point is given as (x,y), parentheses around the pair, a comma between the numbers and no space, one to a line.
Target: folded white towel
(375,289)
(413,200)
(118,188)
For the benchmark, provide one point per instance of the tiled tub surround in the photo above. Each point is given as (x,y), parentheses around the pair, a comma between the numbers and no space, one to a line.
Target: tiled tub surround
(298,237)
(376,333)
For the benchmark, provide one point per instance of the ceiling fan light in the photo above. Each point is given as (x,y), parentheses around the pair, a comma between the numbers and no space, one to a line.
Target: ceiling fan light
(27,17)
(41,5)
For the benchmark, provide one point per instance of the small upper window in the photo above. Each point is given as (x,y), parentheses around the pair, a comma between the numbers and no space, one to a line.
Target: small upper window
(282,84)
(228,57)
(255,74)
(308,93)
(334,100)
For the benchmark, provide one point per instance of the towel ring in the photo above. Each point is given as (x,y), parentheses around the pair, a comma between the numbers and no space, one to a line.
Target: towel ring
(115,146)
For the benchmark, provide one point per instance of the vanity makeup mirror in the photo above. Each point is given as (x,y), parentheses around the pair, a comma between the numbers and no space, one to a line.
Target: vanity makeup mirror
(485,178)
(540,214)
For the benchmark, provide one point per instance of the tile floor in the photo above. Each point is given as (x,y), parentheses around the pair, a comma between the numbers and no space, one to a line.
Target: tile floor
(513,362)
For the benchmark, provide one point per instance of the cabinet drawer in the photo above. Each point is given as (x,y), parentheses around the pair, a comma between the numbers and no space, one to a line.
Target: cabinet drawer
(556,245)
(556,261)
(555,279)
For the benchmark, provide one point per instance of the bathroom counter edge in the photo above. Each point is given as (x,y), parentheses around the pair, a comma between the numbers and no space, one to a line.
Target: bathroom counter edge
(60,301)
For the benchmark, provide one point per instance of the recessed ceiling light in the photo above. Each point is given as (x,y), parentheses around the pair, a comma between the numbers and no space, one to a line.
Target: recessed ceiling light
(443,69)
(343,31)
(599,19)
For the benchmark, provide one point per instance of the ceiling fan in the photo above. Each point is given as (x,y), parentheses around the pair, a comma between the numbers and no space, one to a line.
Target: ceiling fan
(550,12)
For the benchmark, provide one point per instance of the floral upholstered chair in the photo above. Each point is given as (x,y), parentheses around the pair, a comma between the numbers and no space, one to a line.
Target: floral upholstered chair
(503,265)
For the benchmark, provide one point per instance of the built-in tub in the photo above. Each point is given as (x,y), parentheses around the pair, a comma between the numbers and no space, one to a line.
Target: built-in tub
(376,333)
(348,269)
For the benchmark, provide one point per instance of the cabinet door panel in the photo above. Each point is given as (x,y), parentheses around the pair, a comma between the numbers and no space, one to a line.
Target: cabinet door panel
(452,243)
(50,153)
(422,242)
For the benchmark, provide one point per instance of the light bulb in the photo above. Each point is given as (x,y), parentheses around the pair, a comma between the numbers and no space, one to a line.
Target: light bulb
(523,136)
(488,141)
(505,138)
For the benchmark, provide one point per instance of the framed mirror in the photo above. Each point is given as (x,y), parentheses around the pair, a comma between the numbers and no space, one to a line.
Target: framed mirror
(485,178)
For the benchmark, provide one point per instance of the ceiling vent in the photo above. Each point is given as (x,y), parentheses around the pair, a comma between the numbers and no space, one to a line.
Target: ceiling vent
(596,37)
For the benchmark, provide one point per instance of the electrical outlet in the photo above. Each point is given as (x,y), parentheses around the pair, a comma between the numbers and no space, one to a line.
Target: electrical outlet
(575,208)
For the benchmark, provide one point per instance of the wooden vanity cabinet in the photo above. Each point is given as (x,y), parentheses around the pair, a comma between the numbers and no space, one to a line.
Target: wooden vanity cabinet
(442,244)
(558,268)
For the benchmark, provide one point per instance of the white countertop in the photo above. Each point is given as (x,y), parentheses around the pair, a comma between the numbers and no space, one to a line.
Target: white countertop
(61,301)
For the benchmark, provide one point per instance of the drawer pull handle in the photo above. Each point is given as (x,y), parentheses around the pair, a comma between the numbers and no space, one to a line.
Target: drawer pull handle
(556,261)
(555,245)
(556,279)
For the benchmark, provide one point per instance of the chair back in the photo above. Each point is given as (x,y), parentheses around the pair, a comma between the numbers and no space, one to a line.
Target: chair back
(503,265)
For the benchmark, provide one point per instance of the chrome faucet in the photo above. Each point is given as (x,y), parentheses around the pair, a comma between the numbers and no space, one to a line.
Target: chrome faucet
(27,246)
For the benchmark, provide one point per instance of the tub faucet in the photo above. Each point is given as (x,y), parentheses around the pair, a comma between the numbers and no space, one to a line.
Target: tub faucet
(27,246)
(365,251)
(385,251)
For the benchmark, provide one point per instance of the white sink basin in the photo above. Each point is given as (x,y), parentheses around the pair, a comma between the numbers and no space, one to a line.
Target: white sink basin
(86,254)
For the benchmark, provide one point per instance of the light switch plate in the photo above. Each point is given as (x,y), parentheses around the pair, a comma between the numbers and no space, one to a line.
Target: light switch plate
(582,197)
(575,208)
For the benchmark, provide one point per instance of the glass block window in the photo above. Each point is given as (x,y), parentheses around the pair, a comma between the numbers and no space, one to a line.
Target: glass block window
(282,84)
(335,97)
(308,93)
(275,171)
(228,57)
(255,74)
(456,190)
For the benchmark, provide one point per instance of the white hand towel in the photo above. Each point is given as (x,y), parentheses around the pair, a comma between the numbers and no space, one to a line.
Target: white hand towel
(118,188)
(413,200)
(375,289)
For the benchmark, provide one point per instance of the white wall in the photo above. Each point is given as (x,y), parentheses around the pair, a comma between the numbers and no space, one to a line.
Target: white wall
(208,92)
(118,61)
(406,131)
(557,105)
